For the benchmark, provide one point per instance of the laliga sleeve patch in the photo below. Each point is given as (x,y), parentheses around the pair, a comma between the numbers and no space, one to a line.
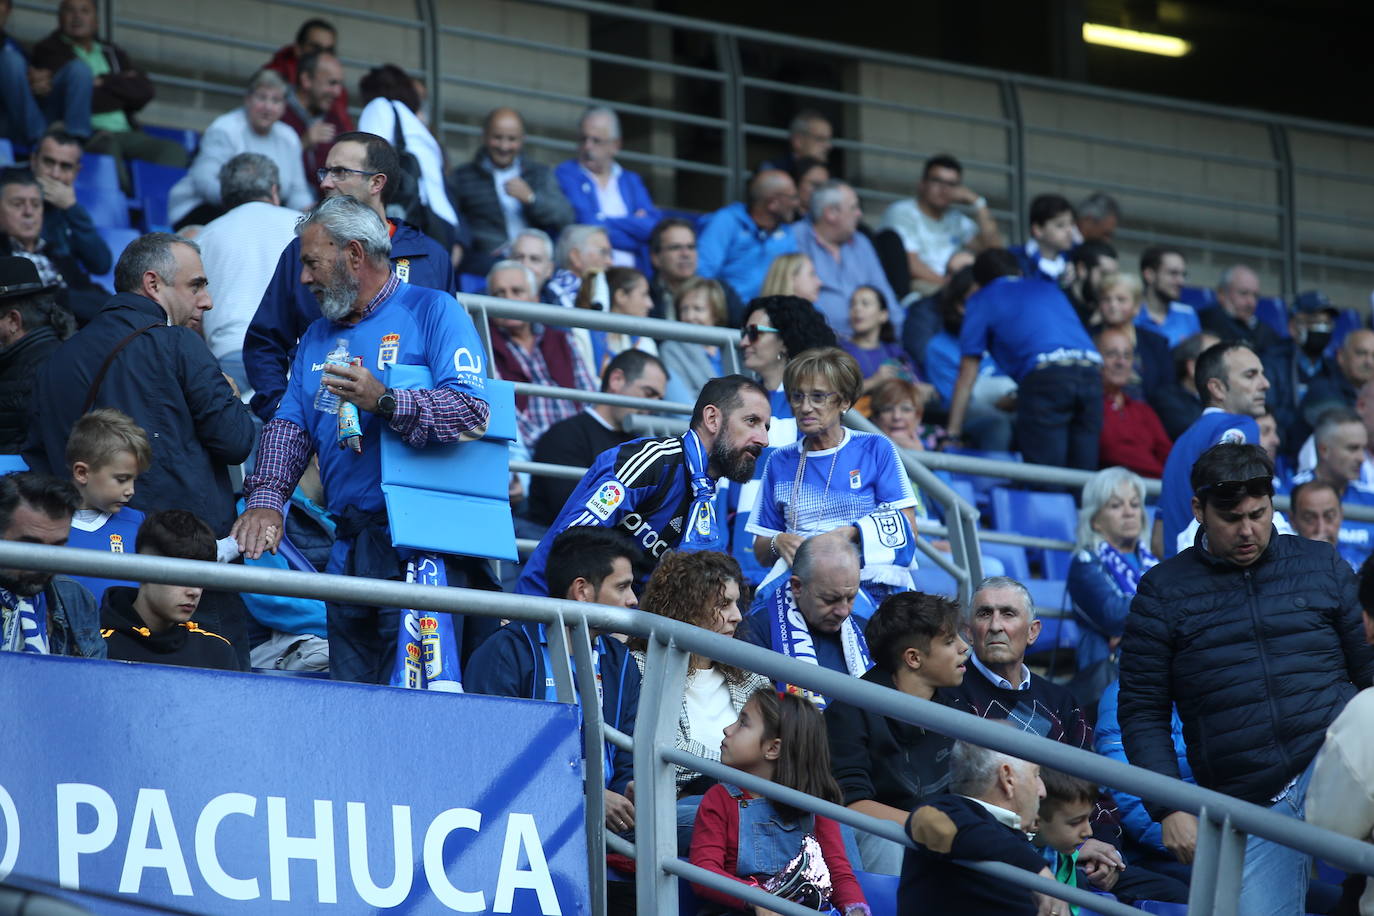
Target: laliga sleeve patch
(604,501)
(1233,436)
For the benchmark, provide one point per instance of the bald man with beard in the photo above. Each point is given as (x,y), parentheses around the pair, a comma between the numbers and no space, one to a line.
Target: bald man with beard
(501,193)
(741,240)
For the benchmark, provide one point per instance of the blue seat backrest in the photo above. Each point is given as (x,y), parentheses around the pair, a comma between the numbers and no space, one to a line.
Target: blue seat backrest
(1013,556)
(117,239)
(1273,312)
(1347,320)
(1038,514)
(108,207)
(152,183)
(6,152)
(187,138)
(472,283)
(880,891)
(1198,297)
(12,463)
(98,170)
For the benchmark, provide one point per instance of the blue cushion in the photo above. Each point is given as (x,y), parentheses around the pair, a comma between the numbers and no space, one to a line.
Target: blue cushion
(450,523)
(107,206)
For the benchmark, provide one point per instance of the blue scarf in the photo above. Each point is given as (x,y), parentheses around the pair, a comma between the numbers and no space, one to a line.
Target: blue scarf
(704,531)
(790,635)
(1126,576)
(26,627)
(426,649)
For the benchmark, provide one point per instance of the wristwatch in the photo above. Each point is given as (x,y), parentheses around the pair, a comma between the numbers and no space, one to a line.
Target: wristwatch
(386,405)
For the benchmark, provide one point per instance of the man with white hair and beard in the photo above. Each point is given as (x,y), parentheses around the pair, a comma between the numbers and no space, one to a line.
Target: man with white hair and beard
(40,612)
(344,248)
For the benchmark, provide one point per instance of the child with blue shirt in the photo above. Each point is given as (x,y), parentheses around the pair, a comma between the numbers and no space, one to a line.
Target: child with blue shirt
(1065,822)
(106,452)
(1045,256)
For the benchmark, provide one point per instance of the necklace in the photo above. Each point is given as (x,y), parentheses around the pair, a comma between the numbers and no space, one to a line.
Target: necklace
(793,525)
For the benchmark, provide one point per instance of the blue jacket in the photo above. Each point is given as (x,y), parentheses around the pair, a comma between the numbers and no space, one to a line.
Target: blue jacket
(165,379)
(1135,820)
(1101,605)
(628,233)
(75,620)
(288,308)
(511,664)
(72,232)
(733,249)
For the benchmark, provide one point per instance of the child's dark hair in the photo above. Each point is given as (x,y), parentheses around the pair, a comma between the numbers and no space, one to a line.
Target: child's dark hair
(909,620)
(804,763)
(1062,789)
(97,437)
(1047,206)
(176,533)
(886,332)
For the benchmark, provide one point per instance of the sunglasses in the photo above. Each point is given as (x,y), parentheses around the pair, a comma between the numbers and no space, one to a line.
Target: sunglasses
(752,332)
(1231,491)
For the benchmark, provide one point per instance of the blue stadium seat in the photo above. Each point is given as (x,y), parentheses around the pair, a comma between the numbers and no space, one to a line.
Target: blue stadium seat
(880,891)
(152,183)
(98,171)
(108,207)
(1347,320)
(1273,311)
(1198,297)
(118,238)
(472,283)
(1013,556)
(187,138)
(961,485)
(6,152)
(1044,515)
(11,463)
(982,486)
(933,580)
(1162,909)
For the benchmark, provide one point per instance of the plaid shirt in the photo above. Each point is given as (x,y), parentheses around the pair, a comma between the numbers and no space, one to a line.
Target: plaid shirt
(422,414)
(541,413)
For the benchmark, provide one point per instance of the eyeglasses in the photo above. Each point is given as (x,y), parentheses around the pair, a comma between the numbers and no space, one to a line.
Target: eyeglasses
(1231,491)
(752,332)
(814,398)
(339,173)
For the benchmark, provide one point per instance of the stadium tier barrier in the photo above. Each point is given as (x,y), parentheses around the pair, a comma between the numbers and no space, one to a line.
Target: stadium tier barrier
(1224,822)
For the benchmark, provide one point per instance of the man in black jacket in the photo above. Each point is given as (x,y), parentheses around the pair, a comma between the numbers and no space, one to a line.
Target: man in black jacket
(1256,638)
(500,192)
(32,325)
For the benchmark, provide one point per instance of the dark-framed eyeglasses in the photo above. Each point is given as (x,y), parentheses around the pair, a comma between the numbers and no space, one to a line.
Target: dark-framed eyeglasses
(339,173)
(751,332)
(1231,491)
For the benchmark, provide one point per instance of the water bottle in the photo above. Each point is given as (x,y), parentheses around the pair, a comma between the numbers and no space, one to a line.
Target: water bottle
(325,399)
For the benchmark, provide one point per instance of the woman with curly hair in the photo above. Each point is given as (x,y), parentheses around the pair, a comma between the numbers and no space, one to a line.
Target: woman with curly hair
(703,589)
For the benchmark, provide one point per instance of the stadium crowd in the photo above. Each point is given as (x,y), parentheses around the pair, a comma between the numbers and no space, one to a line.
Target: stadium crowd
(1221,645)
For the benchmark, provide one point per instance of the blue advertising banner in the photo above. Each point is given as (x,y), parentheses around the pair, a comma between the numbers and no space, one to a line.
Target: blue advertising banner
(219,792)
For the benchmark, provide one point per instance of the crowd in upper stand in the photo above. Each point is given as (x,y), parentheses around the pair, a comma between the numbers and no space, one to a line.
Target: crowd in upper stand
(1236,631)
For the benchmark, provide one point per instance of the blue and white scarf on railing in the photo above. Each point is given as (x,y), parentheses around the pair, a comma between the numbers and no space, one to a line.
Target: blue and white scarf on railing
(25,622)
(791,636)
(426,648)
(1126,576)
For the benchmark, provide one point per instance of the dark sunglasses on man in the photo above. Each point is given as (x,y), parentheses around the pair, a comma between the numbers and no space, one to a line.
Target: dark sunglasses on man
(1232,491)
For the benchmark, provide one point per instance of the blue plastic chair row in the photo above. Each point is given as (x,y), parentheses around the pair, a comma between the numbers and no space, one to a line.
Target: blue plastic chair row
(117,238)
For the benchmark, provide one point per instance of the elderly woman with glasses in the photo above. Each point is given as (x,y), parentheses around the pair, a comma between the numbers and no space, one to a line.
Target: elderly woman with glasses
(1110,560)
(832,477)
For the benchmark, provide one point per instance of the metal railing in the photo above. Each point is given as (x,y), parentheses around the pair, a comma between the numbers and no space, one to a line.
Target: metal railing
(1224,821)
(731,95)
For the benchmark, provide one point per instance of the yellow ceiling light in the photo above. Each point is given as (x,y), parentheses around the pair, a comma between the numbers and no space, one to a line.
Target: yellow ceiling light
(1131,40)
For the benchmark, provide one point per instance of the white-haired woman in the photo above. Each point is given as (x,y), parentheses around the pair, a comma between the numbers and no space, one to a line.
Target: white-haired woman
(1110,559)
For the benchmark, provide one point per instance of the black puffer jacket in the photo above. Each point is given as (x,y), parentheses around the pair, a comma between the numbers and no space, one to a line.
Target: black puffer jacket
(1259,660)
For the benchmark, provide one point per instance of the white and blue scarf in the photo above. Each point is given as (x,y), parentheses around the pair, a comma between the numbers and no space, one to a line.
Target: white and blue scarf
(426,648)
(704,530)
(1126,576)
(26,622)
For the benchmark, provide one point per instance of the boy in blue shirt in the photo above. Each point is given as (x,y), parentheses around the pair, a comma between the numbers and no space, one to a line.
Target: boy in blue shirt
(1045,256)
(1065,822)
(106,452)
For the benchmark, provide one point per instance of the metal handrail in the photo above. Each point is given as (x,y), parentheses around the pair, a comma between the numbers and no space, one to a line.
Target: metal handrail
(670,642)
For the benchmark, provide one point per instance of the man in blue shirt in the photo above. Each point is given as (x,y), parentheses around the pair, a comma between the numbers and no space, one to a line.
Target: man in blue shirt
(647,487)
(344,250)
(1341,440)
(359,165)
(1162,272)
(740,241)
(1034,335)
(844,257)
(1231,383)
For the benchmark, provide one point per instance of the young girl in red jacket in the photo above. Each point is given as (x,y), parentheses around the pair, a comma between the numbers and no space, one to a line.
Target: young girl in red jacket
(781,738)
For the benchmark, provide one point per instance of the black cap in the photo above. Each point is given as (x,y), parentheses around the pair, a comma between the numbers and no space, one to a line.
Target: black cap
(19,277)
(1312,301)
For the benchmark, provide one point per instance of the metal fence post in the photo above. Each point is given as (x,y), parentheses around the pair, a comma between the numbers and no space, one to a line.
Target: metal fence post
(732,110)
(429,54)
(1016,155)
(1288,217)
(660,701)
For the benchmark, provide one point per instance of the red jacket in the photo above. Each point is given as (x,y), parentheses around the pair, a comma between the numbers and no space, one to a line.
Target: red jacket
(1133,437)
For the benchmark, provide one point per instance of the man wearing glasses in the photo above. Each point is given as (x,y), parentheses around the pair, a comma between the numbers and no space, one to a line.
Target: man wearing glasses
(930,227)
(359,165)
(1256,638)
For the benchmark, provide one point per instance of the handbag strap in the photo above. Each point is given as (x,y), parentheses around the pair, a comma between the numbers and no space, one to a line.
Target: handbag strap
(105,366)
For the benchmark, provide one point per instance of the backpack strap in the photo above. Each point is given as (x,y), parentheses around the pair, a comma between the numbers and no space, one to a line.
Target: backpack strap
(105,366)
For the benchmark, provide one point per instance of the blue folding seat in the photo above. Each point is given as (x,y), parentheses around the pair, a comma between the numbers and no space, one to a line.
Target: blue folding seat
(98,170)
(152,184)
(118,238)
(108,207)
(1038,514)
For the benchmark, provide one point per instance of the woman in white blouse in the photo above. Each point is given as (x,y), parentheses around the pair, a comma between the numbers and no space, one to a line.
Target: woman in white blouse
(702,589)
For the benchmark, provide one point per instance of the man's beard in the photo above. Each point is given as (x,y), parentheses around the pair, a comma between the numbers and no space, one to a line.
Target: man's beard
(24,584)
(735,464)
(337,300)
